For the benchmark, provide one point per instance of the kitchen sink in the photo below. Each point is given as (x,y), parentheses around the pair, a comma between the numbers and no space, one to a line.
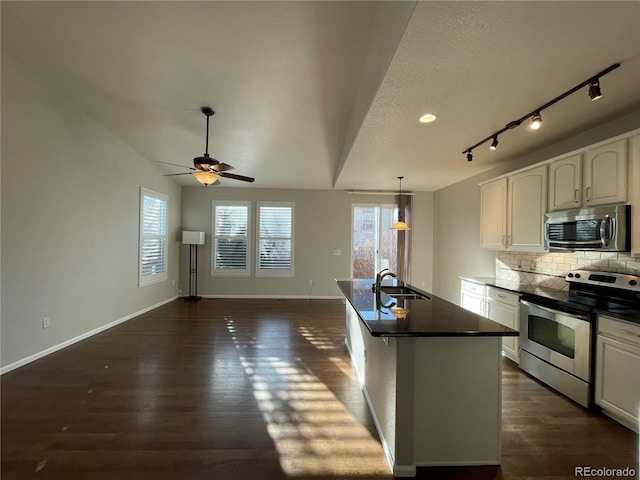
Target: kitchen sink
(403,292)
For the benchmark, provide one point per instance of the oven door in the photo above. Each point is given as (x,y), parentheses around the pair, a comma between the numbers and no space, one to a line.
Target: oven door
(559,338)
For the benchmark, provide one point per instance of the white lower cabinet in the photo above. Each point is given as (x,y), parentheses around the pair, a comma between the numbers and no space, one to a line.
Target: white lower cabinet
(472,297)
(499,305)
(504,308)
(617,382)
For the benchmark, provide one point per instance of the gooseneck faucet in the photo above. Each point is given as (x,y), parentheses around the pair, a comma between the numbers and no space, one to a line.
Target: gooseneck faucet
(379,277)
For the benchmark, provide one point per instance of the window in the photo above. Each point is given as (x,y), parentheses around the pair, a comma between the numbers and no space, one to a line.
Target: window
(275,239)
(230,255)
(153,237)
(373,243)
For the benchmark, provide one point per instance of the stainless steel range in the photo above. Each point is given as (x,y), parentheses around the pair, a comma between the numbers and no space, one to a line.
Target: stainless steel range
(557,331)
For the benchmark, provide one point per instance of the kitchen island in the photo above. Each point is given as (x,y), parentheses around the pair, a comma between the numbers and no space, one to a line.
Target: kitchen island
(431,374)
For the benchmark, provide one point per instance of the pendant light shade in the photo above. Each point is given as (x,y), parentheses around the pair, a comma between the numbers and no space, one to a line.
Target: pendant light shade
(400,225)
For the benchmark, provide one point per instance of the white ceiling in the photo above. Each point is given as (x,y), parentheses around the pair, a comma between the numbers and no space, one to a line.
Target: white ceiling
(323,95)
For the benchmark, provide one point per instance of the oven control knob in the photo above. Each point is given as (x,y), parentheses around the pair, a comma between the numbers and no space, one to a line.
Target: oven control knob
(577,275)
(570,275)
(633,283)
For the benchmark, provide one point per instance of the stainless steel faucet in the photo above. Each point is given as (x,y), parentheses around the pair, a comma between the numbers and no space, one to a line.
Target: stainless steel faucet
(379,277)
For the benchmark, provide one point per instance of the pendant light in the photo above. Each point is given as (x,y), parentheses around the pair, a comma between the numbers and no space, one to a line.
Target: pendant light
(400,225)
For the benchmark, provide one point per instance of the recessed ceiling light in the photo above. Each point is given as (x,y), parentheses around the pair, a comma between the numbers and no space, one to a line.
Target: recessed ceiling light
(427,117)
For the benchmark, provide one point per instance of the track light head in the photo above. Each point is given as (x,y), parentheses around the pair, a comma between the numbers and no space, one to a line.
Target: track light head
(494,144)
(536,121)
(594,89)
(469,156)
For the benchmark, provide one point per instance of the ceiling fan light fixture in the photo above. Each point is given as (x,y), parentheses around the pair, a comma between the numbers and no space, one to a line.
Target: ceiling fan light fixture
(536,121)
(206,178)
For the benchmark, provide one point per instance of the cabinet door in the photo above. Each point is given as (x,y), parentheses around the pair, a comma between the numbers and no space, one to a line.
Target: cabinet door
(493,209)
(506,315)
(617,379)
(634,199)
(565,183)
(605,175)
(527,205)
(472,302)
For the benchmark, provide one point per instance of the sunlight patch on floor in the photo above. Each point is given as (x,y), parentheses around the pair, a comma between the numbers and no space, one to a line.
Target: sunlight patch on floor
(313,431)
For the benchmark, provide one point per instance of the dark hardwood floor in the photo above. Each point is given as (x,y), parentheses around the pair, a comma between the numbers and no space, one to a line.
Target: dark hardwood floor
(255,389)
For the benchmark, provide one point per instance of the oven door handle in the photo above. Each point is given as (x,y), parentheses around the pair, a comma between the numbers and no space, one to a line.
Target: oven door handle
(550,310)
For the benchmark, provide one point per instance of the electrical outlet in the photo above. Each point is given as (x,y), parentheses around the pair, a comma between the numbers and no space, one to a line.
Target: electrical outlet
(46,322)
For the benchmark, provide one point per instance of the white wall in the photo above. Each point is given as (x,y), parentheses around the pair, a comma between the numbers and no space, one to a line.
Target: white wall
(457,211)
(322,225)
(70,196)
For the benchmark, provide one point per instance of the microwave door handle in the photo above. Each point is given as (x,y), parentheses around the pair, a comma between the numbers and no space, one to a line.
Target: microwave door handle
(603,231)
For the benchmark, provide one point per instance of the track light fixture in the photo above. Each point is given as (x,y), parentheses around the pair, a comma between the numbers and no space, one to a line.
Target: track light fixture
(535,115)
(594,89)
(536,121)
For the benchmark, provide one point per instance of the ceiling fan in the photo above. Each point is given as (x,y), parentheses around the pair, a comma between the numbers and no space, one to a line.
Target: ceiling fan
(208,170)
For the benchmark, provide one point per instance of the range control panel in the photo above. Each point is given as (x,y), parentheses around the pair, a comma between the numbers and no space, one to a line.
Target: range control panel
(605,279)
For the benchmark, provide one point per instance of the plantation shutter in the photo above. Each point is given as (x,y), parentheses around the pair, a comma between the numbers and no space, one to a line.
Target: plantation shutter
(153,237)
(230,238)
(275,239)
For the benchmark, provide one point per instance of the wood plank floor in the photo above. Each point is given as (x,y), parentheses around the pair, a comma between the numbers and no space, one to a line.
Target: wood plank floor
(252,389)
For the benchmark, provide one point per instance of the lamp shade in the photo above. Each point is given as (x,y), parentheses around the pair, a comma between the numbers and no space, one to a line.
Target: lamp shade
(192,238)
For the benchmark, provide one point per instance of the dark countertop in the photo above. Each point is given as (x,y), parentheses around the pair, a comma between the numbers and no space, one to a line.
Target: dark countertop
(432,317)
(551,297)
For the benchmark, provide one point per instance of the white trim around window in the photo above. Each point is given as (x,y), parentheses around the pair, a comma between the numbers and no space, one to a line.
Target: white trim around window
(275,239)
(153,238)
(231,234)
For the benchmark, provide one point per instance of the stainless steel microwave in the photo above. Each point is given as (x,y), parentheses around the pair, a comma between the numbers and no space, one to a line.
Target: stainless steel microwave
(603,228)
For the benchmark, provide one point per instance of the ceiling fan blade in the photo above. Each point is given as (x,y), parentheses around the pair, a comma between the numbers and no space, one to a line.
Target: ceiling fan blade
(176,165)
(242,178)
(174,174)
(222,167)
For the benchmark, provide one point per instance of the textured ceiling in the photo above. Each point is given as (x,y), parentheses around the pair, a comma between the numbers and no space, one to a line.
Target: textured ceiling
(328,94)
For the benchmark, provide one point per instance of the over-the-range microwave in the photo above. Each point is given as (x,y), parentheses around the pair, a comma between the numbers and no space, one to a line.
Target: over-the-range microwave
(602,228)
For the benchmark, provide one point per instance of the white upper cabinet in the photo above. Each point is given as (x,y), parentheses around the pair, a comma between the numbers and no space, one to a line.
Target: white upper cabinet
(526,206)
(565,183)
(597,177)
(512,210)
(634,200)
(493,206)
(605,174)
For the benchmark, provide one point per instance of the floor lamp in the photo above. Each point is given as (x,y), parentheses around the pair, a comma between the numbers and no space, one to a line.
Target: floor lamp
(193,239)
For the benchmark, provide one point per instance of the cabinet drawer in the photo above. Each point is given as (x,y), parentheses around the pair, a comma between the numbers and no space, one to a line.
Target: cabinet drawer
(473,287)
(625,331)
(499,295)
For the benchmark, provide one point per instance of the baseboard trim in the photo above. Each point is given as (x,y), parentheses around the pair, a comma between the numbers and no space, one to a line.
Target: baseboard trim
(66,343)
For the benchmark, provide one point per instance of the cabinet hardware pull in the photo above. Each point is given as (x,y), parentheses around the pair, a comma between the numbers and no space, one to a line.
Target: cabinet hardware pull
(628,332)
(575,196)
(588,193)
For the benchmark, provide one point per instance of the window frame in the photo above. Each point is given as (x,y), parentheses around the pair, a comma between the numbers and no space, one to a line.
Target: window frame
(230,272)
(162,276)
(261,272)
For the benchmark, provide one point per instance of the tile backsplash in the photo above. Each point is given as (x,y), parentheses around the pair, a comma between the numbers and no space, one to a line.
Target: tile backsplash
(549,269)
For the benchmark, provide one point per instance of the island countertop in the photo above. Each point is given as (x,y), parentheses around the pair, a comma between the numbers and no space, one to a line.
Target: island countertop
(431,317)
